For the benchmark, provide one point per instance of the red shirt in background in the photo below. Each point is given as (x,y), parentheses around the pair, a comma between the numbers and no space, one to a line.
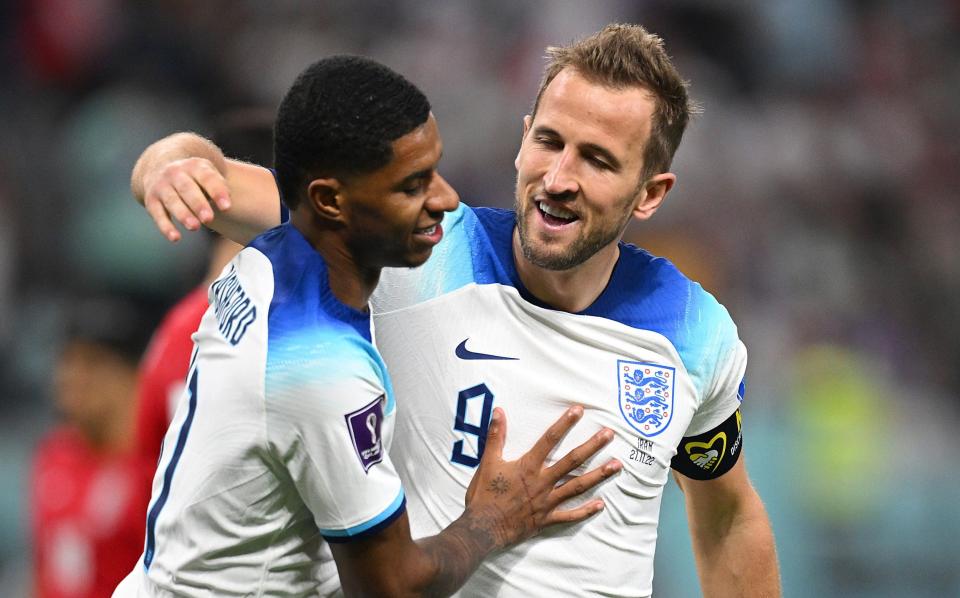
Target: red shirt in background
(89,514)
(163,372)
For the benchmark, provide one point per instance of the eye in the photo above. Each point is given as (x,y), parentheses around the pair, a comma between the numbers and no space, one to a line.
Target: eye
(416,188)
(549,142)
(599,163)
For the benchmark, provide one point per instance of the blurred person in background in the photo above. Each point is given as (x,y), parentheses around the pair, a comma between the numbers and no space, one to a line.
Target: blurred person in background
(563,290)
(245,134)
(88,488)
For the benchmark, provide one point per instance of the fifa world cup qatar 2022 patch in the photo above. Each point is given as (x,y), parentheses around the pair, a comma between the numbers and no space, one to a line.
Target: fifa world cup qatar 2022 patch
(365,425)
(646,395)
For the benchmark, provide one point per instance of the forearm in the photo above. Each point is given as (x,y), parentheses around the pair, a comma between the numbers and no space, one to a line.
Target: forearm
(455,553)
(178,146)
(391,564)
(506,502)
(185,179)
(735,554)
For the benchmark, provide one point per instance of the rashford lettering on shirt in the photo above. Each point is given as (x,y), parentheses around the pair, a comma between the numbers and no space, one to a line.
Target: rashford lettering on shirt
(280,445)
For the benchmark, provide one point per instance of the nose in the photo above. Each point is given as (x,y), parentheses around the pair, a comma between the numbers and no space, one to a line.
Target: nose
(443,197)
(559,178)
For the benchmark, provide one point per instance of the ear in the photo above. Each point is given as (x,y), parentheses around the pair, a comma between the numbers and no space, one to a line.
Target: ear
(325,196)
(527,121)
(652,194)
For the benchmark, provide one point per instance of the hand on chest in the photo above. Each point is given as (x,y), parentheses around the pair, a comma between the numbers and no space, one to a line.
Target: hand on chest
(463,362)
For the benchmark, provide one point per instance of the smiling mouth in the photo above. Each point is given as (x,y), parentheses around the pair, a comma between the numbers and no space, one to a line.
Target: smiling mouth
(555,215)
(432,234)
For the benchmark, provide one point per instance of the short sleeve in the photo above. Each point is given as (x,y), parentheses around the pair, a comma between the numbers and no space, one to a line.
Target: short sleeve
(725,389)
(326,425)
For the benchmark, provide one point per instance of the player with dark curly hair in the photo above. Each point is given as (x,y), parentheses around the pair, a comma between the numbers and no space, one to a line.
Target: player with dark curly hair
(277,459)
(516,306)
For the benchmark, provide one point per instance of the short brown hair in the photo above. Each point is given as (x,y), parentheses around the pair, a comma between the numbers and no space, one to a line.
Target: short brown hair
(623,55)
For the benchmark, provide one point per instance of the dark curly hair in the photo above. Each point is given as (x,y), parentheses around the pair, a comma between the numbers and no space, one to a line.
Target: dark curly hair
(339,119)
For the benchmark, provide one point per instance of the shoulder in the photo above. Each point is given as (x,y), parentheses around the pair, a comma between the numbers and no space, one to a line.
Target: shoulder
(282,278)
(489,227)
(280,243)
(321,367)
(494,219)
(648,292)
(306,322)
(476,249)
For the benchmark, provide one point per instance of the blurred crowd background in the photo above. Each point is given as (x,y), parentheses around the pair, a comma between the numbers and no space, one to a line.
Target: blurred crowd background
(817,199)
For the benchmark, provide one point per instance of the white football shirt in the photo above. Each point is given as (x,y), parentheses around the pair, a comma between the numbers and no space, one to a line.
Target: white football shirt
(278,445)
(655,358)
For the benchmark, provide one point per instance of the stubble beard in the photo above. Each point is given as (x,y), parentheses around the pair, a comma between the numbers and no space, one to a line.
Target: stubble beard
(580,250)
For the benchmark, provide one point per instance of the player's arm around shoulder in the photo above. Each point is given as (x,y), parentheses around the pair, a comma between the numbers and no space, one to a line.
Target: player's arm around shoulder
(185,178)
(732,538)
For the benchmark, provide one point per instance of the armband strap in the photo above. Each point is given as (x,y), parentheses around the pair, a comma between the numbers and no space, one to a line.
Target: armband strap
(711,454)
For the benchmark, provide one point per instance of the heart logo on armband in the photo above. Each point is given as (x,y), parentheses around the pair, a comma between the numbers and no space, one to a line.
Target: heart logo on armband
(707,455)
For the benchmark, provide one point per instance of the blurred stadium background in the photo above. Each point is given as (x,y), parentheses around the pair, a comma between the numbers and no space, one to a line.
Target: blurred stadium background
(817,198)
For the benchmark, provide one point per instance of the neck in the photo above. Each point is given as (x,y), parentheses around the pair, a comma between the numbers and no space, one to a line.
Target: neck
(112,436)
(351,282)
(571,290)
(112,430)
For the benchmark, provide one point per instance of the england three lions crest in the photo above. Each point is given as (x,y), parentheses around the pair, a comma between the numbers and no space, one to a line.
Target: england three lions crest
(646,395)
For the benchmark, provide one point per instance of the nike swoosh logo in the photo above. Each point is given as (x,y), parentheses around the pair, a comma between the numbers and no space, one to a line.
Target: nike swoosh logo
(464,353)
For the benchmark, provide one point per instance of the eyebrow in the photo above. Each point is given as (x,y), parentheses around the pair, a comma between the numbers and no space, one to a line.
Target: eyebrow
(420,174)
(423,173)
(589,147)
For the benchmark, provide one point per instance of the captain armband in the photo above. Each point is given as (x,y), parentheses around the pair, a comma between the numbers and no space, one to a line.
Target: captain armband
(711,454)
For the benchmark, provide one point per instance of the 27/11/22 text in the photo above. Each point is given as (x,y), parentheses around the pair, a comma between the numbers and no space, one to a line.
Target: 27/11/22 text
(641,454)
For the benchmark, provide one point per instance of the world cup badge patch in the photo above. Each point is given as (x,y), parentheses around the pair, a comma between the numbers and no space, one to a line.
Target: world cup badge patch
(646,395)
(365,425)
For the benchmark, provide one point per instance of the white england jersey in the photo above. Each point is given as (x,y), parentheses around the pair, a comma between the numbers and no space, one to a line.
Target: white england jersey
(278,445)
(655,358)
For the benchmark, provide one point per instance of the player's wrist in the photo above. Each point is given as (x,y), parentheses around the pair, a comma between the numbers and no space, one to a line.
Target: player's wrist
(489,527)
(456,552)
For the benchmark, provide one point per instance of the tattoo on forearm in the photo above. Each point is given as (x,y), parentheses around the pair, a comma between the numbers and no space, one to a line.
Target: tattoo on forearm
(499,485)
(457,551)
